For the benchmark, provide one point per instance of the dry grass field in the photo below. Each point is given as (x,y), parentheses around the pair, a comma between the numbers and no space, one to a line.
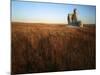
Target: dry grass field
(38,47)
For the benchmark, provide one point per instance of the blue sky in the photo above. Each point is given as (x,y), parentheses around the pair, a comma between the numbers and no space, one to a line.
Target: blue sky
(38,12)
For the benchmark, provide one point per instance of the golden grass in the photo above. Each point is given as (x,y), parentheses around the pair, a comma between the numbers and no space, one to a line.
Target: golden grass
(48,48)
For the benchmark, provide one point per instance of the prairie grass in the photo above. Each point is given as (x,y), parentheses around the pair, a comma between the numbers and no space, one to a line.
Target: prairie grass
(38,47)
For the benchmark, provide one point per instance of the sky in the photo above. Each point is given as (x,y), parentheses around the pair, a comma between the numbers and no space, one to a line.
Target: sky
(40,12)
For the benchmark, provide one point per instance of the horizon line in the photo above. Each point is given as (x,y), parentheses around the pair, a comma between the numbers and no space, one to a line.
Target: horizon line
(45,23)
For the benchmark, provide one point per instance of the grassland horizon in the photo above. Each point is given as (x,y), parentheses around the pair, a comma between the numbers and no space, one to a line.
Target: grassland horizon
(50,23)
